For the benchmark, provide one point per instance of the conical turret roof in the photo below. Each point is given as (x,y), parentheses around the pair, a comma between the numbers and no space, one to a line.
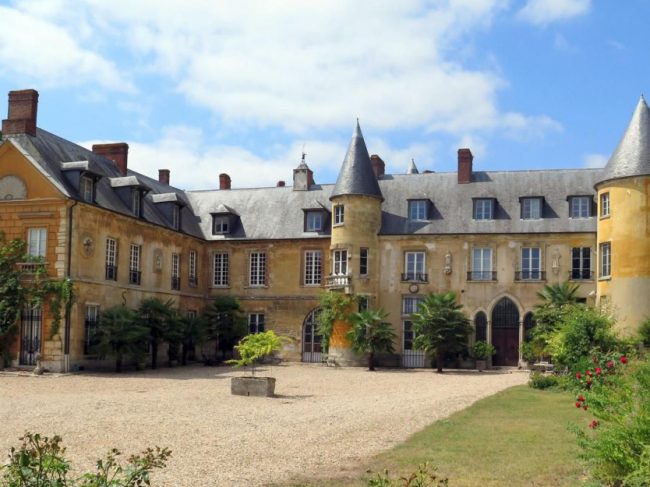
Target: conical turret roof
(356,175)
(413,169)
(632,155)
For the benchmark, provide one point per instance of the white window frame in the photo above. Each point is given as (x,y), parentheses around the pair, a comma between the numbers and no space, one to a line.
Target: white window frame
(339,214)
(87,188)
(191,268)
(605,260)
(531,264)
(531,208)
(37,242)
(221,269)
(581,255)
(340,262)
(414,265)
(136,202)
(418,210)
(176,217)
(111,256)
(579,207)
(314,221)
(257,269)
(482,264)
(410,304)
(254,322)
(313,267)
(220,224)
(483,209)
(364,254)
(135,255)
(604,205)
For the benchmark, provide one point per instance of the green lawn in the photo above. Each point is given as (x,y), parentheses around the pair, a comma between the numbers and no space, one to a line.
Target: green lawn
(518,437)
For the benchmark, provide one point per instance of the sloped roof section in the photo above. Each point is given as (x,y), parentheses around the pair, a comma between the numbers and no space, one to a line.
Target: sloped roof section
(356,176)
(632,155)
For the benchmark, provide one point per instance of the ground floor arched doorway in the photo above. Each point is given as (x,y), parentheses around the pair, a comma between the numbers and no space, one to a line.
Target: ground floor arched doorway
(505,333)
(311,339)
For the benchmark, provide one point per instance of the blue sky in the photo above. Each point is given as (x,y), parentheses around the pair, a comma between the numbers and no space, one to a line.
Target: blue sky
(202,87)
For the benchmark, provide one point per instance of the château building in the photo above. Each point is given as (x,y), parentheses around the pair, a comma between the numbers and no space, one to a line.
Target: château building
(495,238)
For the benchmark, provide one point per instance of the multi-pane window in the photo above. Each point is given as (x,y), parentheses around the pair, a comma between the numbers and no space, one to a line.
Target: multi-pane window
(220,224)
(480,326)
(418,209)
(176,217)
(313,259)
(90,327)
(257,269)
(256,322)
(134,264)
(221,276)
(362,302)
(313,221)
(481,264)
(409,335)
(605,259)
(339,214)
(37,242)
(136,202)
(363,261)
(111,259)
(87,188)
(604,205)
(191,269)
(579,206)
(414,267)
(176,269)
(531,263)
(581,263)
(340,262)
(531,208)
(410,304)
(483,209)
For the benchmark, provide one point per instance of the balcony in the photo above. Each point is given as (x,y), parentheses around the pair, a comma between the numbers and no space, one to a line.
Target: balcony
(530,276)
(32,267)
(111,273)
(581,275)
(338,282)
(134,277)
(415,277)
(176,283)
(482,276)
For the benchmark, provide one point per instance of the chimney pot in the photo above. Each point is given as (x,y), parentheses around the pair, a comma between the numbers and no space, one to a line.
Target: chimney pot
(21,118)
(224,181)
(163,176)
(117,152)
(465,159)
(280,184)
(378,166)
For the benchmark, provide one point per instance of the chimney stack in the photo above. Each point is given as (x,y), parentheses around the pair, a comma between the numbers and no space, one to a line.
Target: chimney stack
(465,159)
(280,184)
(378,166)
(163,176)
(224,181)
(21,118)
(117,152)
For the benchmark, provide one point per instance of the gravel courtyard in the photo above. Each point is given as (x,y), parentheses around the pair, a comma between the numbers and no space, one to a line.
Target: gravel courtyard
(324,421)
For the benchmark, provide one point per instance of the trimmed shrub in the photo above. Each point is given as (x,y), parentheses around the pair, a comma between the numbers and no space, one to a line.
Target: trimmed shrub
(543,381)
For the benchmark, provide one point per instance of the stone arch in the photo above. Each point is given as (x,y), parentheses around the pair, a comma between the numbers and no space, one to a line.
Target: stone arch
(311,340)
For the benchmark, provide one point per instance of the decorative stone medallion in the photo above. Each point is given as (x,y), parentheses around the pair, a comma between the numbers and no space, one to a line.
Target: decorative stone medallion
(12,188)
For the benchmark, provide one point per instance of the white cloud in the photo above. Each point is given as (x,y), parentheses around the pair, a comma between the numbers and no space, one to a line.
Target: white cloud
(543,12)
(594,160)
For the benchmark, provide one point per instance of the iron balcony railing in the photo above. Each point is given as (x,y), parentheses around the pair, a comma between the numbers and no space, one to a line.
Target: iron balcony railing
(111,272)
(337,281)
(176,283)
(134,277)
(31,267)
(581,275)
(415,277)
(482,276)
(530,276)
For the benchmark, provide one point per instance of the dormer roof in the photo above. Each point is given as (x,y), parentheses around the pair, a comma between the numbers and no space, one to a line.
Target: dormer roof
(632,155)
(356,176)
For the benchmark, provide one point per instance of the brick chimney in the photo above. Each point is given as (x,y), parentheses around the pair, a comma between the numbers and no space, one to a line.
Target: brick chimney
(117,152)
(163,176)
(465,159)
(224,181)
(280,184)
(378,166)
(21,118)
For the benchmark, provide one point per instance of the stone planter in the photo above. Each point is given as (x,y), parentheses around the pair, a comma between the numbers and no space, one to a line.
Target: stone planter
(253,386)
(481,365)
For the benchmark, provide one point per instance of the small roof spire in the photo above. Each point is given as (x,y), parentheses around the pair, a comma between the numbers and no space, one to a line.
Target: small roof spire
(412,168)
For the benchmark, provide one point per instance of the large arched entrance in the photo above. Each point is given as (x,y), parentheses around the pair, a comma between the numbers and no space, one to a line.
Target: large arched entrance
(505,333)
(311,340)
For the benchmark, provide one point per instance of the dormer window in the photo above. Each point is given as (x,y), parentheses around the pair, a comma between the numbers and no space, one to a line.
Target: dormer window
(314,220)
(220,224)
(531,207)
(483,209)
(176,217)
(580,206)
(418,210)
(136,202)
(87,188)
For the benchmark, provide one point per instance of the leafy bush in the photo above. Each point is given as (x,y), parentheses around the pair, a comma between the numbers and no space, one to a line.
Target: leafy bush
(483,350)
(543,381)
(644,332)
(255,346)
(40,462)
(425,476)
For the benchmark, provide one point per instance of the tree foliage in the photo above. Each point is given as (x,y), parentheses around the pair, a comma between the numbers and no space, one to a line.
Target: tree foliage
(158,317)
(225,323)
(369,334)
(13,293)
(334,306)
(255,346)
(440,326)
(120,335)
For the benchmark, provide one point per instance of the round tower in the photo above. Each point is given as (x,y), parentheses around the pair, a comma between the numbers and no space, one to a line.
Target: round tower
(623,233)
(356,220)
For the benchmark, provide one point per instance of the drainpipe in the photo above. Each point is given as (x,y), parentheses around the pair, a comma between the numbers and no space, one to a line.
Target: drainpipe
(66,326)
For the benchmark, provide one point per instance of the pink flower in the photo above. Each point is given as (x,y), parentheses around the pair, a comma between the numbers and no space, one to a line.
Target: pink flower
(589,373)
(623,359)
(599,371)
(610,364)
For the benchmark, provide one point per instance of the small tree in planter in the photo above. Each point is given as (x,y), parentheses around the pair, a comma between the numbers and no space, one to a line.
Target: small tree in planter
(482,351)
(251,349)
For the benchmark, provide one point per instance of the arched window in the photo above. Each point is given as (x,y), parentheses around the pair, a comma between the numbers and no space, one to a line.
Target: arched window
(529,324)
(480,326)
(505,314)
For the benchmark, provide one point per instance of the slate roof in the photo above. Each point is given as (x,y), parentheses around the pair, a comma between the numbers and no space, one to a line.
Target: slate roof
(356,176)
(51,153)
(632,155)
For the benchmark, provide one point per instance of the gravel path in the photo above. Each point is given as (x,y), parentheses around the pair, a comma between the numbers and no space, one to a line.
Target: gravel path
(324,421)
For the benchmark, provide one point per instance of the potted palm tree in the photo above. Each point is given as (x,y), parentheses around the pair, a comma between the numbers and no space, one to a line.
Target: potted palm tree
(482,352)
(369,334)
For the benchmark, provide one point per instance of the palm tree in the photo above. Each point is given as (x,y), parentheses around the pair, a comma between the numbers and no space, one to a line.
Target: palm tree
(369,334)
(440,326)
(192,334)
(224,324)
(155,315)
(118,334)
(557,295)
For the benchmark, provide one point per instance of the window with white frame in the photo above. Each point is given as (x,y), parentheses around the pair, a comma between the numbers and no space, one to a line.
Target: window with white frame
(191,268)
(111,259)
(90,327)
(136,202)
(176,217)
(256,322)
(363,261)
(87,188)
(221,274)
(313,221)
(410,304)
(481,264)
(220,224)
(340,262)
(581,263)
(313,260)
(580,206)
(605,259)
(37,242)
(257,269)
(483,209)
(604,205)
(531,208)
(176,269)
(134,264)
(418,209)
(339,214)
(414,267)
(531,263)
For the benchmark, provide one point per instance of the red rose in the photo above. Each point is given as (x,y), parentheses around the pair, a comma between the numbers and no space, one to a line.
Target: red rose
(585,407)
(589,373)
(610,364)
(594,424)
(578,404)
(581,398)
(623,359)
(578,375)
(599,371)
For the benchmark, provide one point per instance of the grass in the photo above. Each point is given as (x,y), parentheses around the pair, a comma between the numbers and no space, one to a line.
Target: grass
(518,437)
